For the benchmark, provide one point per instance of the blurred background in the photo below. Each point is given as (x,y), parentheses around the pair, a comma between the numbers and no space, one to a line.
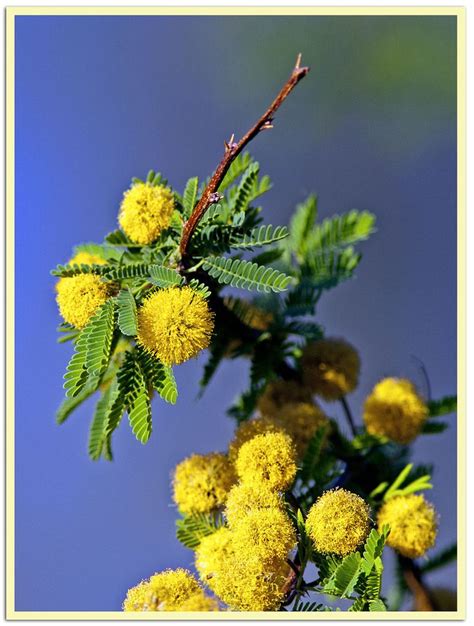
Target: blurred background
(102,99)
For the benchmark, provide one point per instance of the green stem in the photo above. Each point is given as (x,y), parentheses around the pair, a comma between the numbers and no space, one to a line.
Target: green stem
(348,414)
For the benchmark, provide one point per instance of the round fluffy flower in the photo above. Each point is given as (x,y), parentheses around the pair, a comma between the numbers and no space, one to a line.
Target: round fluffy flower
(175,324)
(330,368)
(202,482)
(281,392)
(211,553)
(248,430)
(395,410)
(86,258)
(199,602)
(240,579)
(338,522)
(80,296)
(145,211)
(167,591)
(265,533)
(253,585)
(244,498)
(267,460)
(301,421)
(413,524)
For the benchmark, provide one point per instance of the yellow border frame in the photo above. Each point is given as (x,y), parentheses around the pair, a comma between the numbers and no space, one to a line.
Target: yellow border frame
(11,13)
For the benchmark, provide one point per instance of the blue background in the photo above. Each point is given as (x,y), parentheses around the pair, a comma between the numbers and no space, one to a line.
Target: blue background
(102,99)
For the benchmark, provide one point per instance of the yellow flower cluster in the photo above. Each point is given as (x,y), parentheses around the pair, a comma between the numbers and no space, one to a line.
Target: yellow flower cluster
(80,296)
(245,563)
(330,368)
(413,524)
(301,421)
(267,460)
(395,410)
(338,522)
(145,211)
(175,324)
(171,590)
(202,482)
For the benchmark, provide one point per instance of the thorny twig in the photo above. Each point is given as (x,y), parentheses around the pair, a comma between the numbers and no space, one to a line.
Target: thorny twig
(232,149)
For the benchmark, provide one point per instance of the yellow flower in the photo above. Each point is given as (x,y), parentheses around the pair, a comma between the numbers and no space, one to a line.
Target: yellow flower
(86,258)
(413,524)
(266,533)
(175,324)
(80,296)
(330,368)
(211,553)
(395,410)
(281,392)
(338,522)
(202,482)
(170,590)
(145,211)
(248,430)
(253,585)
(267,460)
(240,579)
(301,421)
(244,498)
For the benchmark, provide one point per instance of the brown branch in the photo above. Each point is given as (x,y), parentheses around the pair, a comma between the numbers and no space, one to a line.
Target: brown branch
(232,149)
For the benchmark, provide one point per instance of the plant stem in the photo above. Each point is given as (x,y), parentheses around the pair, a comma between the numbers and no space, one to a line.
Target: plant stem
(348,414)
(232,149)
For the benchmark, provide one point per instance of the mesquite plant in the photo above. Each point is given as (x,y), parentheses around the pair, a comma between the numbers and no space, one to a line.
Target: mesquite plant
(292,494)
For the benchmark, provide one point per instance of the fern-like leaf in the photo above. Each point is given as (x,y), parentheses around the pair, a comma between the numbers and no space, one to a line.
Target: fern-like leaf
(164,276)
(127,313)
(260,236)
(139,413)
(246,275)
(242,197)
(190,195)
(160,376)
(99,338)
(190,530)
(97,432)
(444,406)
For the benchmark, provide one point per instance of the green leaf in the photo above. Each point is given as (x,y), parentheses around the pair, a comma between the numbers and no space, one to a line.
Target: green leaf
(164,276)
(99,338)
(131,270)
(301,224)
(246,275)
(76,374)
(244,191)
(433,428)
(160,376)
(327,270)
(190,195)
(377,605)
(127,313)
(139,413)
(260,236)
(373,548)
(191,529)
(200,288)
(68,405)
(97,433)
(444,406)
(399,480)
(345,577)
(448,555)
(342,230)
(302,299)
(65,271)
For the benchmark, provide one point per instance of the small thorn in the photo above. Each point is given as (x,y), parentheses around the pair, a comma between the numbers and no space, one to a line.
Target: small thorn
(298,61)
(215,197)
